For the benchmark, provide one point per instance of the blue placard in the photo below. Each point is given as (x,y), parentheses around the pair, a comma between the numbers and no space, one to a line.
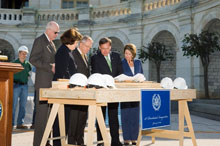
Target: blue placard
(155,108)
(1,110)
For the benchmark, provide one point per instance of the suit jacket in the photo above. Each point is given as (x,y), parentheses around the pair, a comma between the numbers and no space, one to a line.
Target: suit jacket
(65,63)
(81,66)
(137,67)
(42,56)
(100,65)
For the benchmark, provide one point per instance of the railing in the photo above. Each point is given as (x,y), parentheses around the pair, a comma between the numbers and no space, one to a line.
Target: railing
(154,4)
(9,16)
(57,15)
(110,11)
(14,17)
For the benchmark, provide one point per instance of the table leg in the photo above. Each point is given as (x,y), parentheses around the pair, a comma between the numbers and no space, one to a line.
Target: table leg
(189,124)
(91,124)
(61,116)
(139,138)
(50,122)
(181,121)
(102,126)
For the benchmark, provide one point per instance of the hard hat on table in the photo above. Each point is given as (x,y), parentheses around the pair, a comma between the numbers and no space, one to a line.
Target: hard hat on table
(180,83)
(96,80)
(167,83)
(109,81)
(78,79)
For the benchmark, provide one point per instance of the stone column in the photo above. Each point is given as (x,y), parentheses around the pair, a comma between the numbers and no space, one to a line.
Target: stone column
(28,16)
(186,67)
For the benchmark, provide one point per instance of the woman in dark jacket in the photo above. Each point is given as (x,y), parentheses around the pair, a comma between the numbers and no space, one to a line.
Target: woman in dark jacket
(65,67)
(130,110)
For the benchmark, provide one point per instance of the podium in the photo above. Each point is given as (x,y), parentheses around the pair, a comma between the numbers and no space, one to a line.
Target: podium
(7,71)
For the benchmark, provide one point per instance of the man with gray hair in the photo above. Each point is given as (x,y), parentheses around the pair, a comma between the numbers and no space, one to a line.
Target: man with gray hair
(78,114)
(43,58)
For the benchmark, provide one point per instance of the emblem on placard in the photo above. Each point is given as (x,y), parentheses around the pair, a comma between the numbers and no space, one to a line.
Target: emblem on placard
(156,102)
(1,110)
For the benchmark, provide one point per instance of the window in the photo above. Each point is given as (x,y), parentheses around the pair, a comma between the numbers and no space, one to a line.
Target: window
(82,4)
(124,1)
(66,4)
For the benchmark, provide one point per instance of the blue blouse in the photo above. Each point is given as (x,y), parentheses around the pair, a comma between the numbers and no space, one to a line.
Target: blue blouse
(137,67)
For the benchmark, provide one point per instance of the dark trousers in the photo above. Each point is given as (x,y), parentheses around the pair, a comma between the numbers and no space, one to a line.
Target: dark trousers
(75,122)
(34,111)
(130,120)
(78,118)
(42,112)
(113,122)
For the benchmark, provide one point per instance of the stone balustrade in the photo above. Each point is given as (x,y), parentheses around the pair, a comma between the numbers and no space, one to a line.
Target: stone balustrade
(14,17)
(10,17)
(57,15)
(110,11)
(154,4)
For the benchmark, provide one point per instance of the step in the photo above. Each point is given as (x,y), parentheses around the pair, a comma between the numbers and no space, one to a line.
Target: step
(205,108)
(209,111)
(207,101)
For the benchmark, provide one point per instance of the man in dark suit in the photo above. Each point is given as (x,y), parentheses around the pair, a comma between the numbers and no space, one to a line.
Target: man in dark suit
(78,115)
(43,58)
(106,62)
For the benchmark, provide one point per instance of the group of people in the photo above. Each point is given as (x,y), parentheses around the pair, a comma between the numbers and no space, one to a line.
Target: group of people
(52,64)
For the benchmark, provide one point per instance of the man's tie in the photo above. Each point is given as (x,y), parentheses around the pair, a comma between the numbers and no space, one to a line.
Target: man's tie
(109,63)
(84,59)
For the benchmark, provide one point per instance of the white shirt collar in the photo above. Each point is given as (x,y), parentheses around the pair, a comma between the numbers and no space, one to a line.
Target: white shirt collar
(79,51)
(47,37)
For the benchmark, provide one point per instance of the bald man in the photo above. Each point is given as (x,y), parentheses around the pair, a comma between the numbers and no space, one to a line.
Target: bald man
(43,58)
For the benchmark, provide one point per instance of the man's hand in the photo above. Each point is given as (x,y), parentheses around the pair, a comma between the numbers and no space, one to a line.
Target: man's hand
(53,67)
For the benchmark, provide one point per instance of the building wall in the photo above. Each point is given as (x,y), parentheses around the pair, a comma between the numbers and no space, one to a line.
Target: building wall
(128,22)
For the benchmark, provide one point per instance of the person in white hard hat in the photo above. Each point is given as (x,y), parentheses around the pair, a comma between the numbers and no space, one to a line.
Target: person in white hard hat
(20,87)
(130,110)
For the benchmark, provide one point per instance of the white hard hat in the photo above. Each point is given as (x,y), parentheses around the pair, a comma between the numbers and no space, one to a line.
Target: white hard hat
(109,80)
(78,79)
(23,48)
(139,77)
(123,77)
(167,83)
(97,79)
(180,83)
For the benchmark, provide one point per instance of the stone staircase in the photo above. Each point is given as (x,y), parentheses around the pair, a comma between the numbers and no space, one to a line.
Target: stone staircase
(206,108)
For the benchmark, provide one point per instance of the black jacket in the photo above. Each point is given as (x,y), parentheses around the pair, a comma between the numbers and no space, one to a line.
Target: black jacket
(81,66)
(100,65)
(65,65)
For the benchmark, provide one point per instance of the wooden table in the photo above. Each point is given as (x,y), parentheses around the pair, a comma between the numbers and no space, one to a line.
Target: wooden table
(58,95)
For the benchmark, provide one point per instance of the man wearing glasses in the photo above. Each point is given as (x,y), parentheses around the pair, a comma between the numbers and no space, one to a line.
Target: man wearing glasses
(43,58)
(78,115)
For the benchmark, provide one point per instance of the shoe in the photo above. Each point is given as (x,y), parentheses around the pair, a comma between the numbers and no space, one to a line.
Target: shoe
(48,144)
(100,144)
(116,144)
(21,127)
(32,126)
(134,143)
(126,143)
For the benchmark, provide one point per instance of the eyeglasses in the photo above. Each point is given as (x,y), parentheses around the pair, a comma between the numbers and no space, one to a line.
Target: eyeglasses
(56,32)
